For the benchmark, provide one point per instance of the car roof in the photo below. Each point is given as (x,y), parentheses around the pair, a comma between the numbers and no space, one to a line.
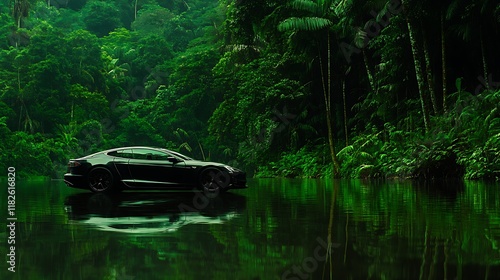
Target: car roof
(139,147)
(150,148)
(131,147)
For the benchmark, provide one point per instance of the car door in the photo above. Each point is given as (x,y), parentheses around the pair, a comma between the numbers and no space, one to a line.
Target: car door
(120,161)
(153,168)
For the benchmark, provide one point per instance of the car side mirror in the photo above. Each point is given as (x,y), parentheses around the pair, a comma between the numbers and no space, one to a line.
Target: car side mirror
(172,159)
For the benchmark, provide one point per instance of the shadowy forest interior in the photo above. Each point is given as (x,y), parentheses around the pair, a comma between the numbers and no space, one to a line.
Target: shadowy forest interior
(304,88)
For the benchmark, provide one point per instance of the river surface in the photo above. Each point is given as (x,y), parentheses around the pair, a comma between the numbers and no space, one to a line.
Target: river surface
(275,229)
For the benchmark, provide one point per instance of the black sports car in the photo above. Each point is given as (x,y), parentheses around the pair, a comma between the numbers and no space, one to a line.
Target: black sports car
(149,168)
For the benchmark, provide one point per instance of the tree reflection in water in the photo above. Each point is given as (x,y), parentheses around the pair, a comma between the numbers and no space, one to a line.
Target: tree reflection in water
(377,230)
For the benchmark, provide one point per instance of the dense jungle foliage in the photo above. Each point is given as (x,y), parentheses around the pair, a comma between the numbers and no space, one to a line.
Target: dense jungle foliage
(392,88)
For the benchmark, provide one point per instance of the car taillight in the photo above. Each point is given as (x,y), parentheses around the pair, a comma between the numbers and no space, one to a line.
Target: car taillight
(73,163)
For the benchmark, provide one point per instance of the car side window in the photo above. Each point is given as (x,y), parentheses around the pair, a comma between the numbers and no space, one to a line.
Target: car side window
(122,153)
(149,154)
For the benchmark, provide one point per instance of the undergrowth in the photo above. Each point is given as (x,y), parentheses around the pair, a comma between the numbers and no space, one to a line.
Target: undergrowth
(463,143)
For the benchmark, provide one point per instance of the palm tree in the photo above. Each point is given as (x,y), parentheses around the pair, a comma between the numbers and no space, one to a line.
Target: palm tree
(114,69)
(20,10)
(320,19)
(67,135)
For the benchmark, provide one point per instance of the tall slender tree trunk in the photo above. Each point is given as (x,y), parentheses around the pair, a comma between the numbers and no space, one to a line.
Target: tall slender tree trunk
(327,93)
(135,9)
(345,113)
(434,262)
(368,71)
(330,230)
(424,254)
(485,65)
(443,63)
(446,257)
(418,70)
(459,265)
(20,117)
(346,230)
(428,70)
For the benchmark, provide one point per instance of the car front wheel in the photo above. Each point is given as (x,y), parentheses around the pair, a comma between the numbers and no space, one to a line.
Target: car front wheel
(214,180)
(100,180)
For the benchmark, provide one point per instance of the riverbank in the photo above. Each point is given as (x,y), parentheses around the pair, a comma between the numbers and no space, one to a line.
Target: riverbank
(393,153)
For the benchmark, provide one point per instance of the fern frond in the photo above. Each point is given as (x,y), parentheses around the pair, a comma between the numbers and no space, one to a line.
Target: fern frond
(365,166)
(307,128)
(360,38)
(227,152)
(304,24)
(452,9)
(186,146)
(495,123)
(492,140)
(176,133)
(490,116)
(365,155)
(345,150)
(183,132)
(306,5)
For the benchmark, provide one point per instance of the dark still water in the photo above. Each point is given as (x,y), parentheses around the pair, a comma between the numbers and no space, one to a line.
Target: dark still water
(276,229)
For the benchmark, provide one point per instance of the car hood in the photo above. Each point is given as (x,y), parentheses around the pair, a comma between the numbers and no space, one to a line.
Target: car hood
(200,163)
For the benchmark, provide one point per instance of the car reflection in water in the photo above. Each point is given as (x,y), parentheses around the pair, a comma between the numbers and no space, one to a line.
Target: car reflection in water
(151,212)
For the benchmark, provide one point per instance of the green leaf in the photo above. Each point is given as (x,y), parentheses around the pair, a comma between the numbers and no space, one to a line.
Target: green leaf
(345,150)
(304,24)
(306,5)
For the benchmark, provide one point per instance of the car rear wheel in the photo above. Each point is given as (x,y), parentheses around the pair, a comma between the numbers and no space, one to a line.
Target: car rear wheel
(100,180)
(214,180)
